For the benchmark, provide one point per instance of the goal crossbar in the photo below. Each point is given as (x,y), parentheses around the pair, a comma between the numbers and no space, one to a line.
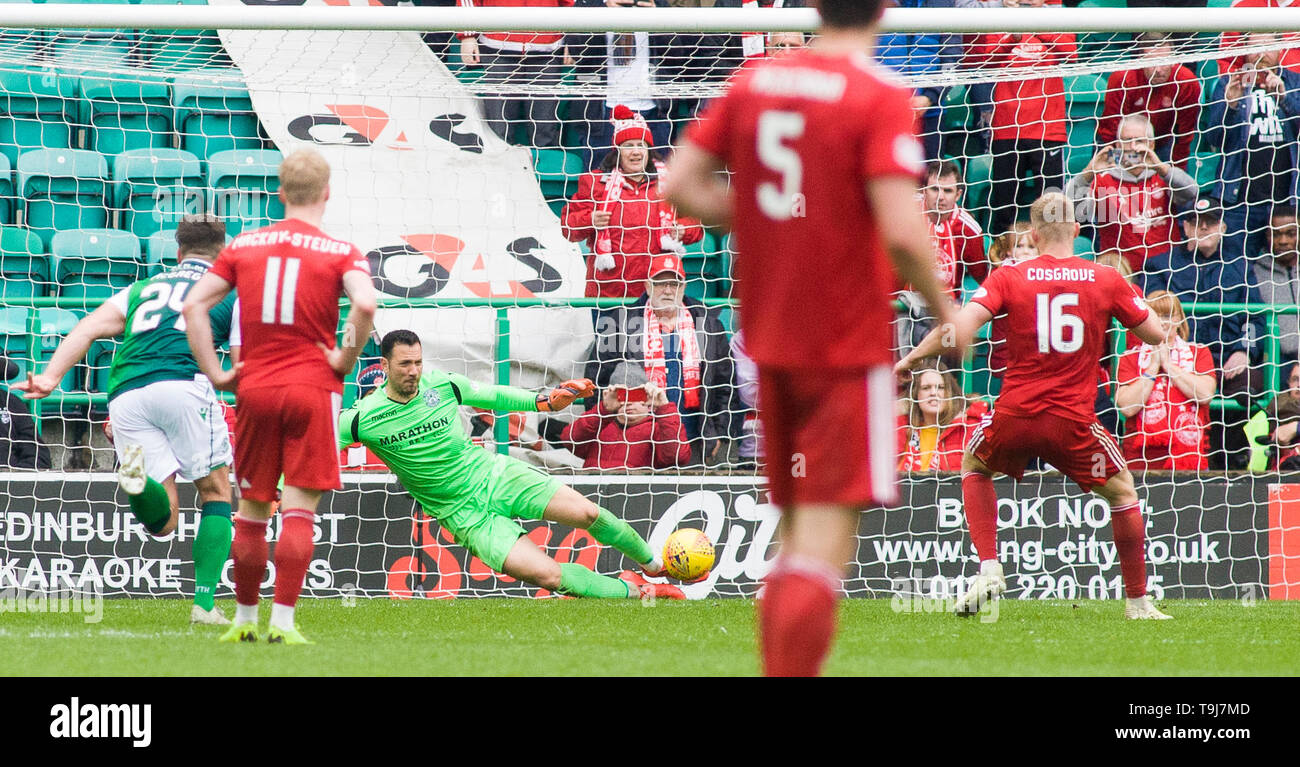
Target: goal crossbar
(1207,20)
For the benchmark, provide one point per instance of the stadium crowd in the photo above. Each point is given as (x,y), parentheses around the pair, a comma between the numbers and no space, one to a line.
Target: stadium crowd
(1229,236)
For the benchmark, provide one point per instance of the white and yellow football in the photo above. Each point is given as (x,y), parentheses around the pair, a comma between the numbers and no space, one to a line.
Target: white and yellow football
(688,554)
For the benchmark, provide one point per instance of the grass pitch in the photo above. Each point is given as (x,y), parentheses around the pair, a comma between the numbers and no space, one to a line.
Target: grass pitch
(498,637)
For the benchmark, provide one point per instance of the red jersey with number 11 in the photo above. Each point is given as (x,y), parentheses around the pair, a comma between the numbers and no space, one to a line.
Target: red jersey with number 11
(289,277)
(1058,311)
(802,135)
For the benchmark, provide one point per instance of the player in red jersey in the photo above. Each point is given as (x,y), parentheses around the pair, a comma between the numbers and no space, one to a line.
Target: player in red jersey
(289,380)
(1056,309)
(825,169)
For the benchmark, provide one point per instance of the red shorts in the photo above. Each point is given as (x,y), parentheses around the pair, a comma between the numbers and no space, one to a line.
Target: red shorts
(829,436)
(1084,452)
(290,431)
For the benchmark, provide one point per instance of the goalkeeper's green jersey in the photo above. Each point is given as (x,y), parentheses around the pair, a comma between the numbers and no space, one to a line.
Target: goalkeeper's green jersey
(422,440)
(154,346)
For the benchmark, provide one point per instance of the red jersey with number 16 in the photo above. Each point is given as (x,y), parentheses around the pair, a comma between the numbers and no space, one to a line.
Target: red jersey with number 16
(289,277)
(802,135)
(1058,311)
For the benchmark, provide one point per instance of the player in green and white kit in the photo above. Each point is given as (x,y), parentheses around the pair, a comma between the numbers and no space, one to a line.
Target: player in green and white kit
(412,424)
(165,415)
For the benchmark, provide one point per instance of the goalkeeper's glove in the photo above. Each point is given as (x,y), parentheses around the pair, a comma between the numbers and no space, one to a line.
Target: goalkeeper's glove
(564,395)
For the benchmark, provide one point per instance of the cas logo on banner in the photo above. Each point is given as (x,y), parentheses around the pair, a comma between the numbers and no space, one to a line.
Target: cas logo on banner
(424,263)
(366,126)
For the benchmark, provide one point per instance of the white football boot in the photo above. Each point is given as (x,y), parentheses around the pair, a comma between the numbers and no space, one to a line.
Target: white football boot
(1143,609)
(213,617)
(987,586)
(131,474)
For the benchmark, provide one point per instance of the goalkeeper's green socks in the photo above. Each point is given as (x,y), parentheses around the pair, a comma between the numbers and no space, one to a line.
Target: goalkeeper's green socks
(578,581)
(152,506)
(211,550)
(612,531)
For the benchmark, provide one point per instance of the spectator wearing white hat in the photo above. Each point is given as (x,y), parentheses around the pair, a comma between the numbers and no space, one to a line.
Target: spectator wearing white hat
(684,350)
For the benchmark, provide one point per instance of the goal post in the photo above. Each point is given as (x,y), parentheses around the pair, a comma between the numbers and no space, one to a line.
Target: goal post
(119,119)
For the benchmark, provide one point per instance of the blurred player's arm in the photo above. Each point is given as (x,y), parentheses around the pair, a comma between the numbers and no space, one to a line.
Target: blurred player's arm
(361,320)
(696,188)
(906,238)
(207,293)
(1150,330)
(957,334)
(108,321)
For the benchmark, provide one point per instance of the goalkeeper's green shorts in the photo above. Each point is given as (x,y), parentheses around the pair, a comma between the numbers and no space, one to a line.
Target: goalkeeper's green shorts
(484,522)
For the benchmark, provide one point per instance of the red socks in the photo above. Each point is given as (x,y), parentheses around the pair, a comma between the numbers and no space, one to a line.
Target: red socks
(797,616)
(1129,529)
(249,552)
(981,503)
(292,554)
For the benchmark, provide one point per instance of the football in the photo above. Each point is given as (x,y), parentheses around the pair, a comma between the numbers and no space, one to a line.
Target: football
(688,554)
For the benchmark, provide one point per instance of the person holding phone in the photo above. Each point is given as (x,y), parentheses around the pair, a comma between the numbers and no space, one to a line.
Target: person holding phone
(1128,193)
(633,426)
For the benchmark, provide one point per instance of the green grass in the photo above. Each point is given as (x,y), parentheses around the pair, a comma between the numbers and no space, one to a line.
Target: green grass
(707,638)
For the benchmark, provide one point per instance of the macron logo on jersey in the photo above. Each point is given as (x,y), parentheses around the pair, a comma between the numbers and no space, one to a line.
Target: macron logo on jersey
(293,239)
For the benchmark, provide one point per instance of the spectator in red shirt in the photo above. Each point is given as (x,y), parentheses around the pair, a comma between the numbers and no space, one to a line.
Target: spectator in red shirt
(535,58)
(958,238)
(621,214)
(932,435)
(1290,58)
(1129,194)
(1028,122)
(633,426)
(1168,94)
(1165,393)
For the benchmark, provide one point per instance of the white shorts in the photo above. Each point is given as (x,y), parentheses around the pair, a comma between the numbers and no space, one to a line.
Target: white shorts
(180,425)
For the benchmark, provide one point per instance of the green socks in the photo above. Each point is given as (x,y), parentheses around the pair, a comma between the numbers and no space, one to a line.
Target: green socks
(211,549)
(152,506)
(578,581)
(612,531)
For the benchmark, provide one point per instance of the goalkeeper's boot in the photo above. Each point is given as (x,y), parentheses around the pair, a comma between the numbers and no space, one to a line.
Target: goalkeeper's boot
(1143,609)
(213,617)
(647,590)
(131,474)
(240,632)
(286,636)
(987,586)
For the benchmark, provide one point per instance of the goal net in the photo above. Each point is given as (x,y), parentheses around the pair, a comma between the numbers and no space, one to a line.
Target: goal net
(480,172)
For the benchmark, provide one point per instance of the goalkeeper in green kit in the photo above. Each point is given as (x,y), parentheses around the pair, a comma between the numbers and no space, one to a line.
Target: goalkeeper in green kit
(413,426)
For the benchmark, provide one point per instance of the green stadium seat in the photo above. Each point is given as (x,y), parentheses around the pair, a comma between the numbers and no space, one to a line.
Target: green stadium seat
(124,112)
(63,189)
(154,188)
(214,113)
(979,172)
(6,191)
(1081,144)
(20,44)
(161,250)
(29,340)
(36,110)
(85,48)
(1204,167)
(182,49)
(25,269)
(102,261)
(557,172)
(244,186)
(1085,95)
(99,361)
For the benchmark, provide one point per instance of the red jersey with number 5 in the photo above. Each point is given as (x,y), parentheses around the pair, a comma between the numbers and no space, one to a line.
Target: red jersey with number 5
(1057,313)
(289,277)
(802,135)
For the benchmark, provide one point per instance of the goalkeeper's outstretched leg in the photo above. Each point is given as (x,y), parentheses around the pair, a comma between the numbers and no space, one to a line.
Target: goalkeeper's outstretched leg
(530,564)
(569,507)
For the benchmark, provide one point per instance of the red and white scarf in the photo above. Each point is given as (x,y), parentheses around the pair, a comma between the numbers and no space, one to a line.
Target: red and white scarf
(604,242)
(656,369)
